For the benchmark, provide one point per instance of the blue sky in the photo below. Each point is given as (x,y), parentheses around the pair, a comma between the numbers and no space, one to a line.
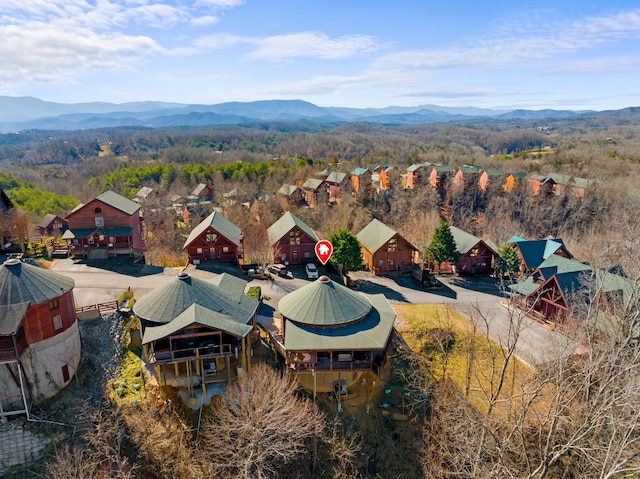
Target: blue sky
(501,54)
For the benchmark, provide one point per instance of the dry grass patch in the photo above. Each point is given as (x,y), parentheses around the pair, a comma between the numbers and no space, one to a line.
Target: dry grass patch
(455,351)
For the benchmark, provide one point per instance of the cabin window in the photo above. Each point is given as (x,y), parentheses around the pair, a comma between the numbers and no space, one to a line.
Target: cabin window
(307,255)
(101,237)
(474,251)
(199,251)
(97,210)
(99,221)
(211,237)
(294,237)
(393,245)
(225,249)
(65,373)
(54,303)
(112,239)
(57,322)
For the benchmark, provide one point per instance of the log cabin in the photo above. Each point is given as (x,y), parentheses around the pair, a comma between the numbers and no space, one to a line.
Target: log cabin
(109,225)
(214,240)
(292,241)
(384,251)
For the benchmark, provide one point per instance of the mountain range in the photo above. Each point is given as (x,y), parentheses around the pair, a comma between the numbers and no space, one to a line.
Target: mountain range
(23,113)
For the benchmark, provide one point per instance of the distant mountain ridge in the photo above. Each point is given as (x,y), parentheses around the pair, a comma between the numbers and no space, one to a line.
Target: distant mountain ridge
(21,113)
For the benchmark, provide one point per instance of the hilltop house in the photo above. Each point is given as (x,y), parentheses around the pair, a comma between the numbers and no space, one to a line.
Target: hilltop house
(533,252)
(467,176)
(214,240)
(292,240)
(39,336)
(439,176)
(332,336)
(197,332)
(315,192)
(338,184)
(383,250)
(418,175)
(291,195)
(52,224)
(476,257)
(512,180)
(560,286)
(488,177)
(362,183)
(108,225)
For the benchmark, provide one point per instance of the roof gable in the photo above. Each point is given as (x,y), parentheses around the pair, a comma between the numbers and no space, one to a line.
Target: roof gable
(285,224)
(118,202)
(220,224)
(464,241)
(376,234)
(312,183)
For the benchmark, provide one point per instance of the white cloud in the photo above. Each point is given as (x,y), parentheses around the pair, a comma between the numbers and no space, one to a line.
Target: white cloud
(522,43)
(49,39)
(312,44)
(205,20)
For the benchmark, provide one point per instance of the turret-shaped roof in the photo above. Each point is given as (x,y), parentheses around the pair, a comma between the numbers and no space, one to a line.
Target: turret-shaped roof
(225,297)
(324,303)
(21,283)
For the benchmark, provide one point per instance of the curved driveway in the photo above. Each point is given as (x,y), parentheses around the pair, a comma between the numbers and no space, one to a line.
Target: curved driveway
(105,281)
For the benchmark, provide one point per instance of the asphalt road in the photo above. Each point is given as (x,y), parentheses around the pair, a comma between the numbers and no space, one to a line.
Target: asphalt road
(477,299)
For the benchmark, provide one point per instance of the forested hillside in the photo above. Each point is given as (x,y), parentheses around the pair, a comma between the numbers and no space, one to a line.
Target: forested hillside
(479,412)
(53,171)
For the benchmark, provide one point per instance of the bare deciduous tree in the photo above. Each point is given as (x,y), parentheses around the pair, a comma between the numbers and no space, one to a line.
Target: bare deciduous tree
(260,426)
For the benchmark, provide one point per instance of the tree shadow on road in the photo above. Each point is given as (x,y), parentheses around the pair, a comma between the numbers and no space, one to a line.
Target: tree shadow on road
(410,283)
(125,266)
(480,284)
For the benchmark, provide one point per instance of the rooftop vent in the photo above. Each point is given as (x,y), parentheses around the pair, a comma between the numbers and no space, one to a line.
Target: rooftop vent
(182,275)
(12,262)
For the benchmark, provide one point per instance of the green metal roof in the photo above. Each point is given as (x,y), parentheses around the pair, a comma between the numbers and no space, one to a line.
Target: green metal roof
(496,172)
(196,314)
(583,182)
(464,241)
(324,303)
(86,232)
(557,178)
(525,287)
(470,169)
(220,224)
(359,171)
(556,264)
(46,221)
(370,333)
(235,192)
(336,177)
(284,224)
(534,252)
(287,190)
(22,282)
(313,183)
(417,166)
(375,235)
(119,202)
(166,303)
(10,317)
